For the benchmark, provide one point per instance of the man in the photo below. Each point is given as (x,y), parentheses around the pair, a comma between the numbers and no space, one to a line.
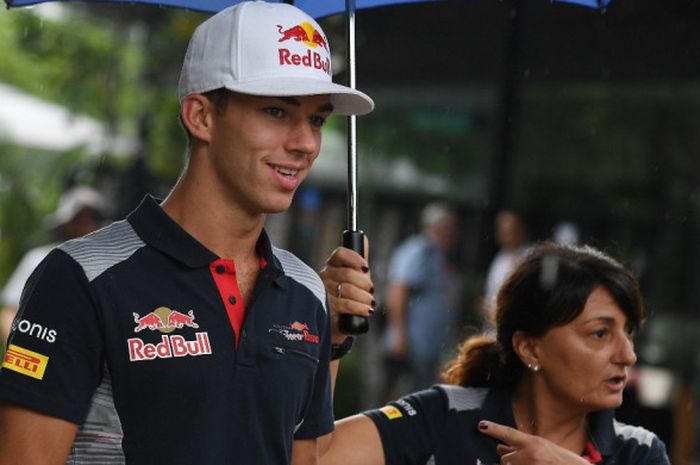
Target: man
(200,341)
(80,210)
(421,296)
(512,240)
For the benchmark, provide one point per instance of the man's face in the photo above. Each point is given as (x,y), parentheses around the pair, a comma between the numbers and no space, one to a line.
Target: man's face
(262,148)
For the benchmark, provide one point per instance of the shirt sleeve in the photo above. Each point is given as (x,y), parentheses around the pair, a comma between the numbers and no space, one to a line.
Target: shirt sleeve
(319,416)
(410,427)
(408,265)
(53,358)
(657,453)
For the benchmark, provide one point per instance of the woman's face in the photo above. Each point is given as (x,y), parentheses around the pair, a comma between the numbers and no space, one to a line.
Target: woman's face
(585,363)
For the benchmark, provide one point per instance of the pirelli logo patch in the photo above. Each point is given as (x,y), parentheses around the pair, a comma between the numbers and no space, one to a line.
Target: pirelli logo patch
(391,412)
(25,361)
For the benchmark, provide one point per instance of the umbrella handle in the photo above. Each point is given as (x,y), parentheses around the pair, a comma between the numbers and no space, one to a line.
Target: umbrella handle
(353,324)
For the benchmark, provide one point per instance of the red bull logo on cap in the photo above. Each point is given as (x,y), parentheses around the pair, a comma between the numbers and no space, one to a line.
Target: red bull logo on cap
(307,34)
(166,320)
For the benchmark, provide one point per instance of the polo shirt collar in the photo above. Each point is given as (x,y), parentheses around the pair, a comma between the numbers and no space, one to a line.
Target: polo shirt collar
(603,431)
(161,232)
(498,407)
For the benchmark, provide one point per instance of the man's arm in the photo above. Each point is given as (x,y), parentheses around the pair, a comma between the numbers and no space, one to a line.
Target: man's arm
(31,438)
(355,440)
(7,315)
(396,300)
(304,452)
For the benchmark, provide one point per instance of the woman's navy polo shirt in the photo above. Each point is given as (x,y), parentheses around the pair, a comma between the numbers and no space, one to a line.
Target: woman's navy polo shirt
(439,426)
(133,324)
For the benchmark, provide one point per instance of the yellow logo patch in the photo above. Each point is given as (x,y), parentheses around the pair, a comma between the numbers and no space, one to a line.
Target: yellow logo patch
(25,361)
(391,412)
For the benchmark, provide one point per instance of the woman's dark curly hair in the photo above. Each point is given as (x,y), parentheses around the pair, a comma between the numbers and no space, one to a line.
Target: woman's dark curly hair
(548,288)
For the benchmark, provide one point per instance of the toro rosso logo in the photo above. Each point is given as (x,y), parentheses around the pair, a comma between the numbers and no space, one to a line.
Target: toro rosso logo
(165,320)
(296,331)
(307,34)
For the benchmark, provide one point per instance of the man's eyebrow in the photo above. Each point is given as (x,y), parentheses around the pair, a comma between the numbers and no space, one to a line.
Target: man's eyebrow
(291,101)
(325,108)
(328,107)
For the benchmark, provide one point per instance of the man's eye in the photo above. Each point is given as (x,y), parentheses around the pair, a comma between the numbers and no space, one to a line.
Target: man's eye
(274,111)
(317,120)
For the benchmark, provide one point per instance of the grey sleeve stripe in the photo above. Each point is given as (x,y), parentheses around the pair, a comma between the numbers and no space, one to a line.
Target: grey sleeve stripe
(103,249)
(460,398)
(643,436)
(99,439)
(301,273)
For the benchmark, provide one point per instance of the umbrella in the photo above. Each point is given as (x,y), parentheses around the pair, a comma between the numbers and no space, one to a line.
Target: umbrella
(353,237)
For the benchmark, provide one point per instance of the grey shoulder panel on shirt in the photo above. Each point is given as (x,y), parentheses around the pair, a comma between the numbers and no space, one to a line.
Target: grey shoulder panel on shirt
(301,273)
(104,248)
(460,398)
(643,436)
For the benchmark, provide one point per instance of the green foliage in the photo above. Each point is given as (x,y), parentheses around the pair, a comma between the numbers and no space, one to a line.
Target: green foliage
(29,191)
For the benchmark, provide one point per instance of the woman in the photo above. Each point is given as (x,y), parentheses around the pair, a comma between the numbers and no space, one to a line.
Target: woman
(542,392)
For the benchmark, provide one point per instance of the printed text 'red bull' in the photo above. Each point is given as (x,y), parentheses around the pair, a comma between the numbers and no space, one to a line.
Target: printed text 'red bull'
(169,347)
(309,59)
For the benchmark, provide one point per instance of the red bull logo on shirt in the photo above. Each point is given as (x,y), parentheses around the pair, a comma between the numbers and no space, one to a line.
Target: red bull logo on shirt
(168,347)
(166,320)
(307,34)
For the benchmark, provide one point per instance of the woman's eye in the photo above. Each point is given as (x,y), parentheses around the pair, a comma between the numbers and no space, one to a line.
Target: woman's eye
(631,330)
(600,333)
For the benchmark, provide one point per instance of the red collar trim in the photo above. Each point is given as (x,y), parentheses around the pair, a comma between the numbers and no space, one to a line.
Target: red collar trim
(591,453)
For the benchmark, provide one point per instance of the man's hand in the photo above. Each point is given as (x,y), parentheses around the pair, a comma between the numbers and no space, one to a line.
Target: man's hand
(520,448)
(349,286)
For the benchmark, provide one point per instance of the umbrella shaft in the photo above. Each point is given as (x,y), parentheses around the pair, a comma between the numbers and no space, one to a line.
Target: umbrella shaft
(352,173)
(352,120)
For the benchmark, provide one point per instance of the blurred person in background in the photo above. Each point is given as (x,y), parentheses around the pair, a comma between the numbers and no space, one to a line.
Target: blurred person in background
(542,391)
(80,210)
(511,236)
(421,299)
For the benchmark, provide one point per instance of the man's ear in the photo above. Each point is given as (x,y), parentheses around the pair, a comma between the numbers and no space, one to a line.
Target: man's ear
(196,114)
(525,348)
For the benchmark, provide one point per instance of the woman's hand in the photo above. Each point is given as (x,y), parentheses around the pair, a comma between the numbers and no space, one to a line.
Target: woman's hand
(520,448)
(348,283)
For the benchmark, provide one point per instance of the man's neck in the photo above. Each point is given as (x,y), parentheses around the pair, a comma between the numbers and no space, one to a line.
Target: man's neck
(226,230)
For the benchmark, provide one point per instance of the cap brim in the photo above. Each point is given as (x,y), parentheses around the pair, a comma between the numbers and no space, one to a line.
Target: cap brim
(345,100)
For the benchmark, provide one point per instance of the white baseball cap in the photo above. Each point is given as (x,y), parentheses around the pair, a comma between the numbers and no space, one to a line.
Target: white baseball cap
(267,49)
(72,201)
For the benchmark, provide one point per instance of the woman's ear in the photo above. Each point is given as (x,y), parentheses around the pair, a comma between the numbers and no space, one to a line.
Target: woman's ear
(196,114)
(525,348)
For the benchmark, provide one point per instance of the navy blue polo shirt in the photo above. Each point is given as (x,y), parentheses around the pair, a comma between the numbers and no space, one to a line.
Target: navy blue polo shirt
(440,426)
(130,333)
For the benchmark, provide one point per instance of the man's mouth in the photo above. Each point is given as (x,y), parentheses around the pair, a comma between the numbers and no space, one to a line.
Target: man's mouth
(286,171)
